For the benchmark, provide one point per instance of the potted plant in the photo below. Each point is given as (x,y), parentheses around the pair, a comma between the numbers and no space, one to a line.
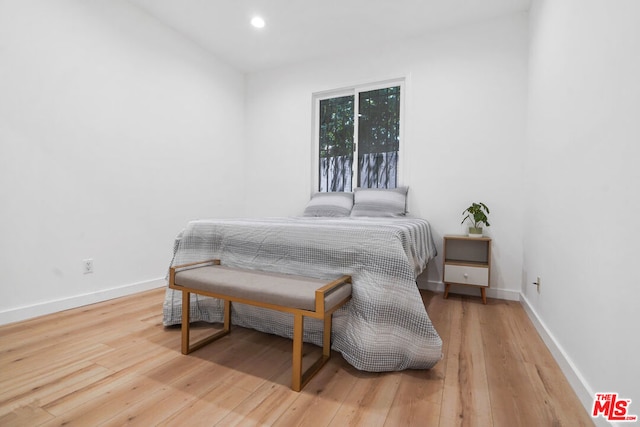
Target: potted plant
(477,215)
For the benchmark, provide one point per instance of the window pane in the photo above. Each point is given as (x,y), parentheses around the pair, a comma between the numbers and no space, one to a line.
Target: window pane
(379,138)
(336,143)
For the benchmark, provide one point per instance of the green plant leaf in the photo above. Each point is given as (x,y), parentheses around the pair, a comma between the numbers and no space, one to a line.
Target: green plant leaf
(477,214)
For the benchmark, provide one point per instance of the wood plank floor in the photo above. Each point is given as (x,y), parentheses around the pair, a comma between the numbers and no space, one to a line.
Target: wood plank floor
(114,364)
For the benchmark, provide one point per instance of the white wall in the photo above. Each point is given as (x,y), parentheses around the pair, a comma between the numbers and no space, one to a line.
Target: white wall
(113,131)
(466,99)
(583,186)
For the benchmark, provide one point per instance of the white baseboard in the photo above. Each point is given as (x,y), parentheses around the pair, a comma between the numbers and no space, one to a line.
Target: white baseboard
(568,368)
(48,307)
(505,294)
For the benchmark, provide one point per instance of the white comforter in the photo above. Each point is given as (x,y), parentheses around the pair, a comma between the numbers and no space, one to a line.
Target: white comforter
(384,327)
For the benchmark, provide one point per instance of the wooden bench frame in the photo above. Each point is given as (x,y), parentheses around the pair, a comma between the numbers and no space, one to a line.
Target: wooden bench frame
(299,378)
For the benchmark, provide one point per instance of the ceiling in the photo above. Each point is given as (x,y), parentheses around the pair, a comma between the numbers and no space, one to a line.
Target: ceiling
(299,30)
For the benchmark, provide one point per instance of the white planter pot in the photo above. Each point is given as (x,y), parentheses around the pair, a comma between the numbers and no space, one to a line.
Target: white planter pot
(475,232)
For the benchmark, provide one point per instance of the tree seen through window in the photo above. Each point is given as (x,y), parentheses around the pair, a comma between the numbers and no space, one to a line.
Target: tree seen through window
(378,140)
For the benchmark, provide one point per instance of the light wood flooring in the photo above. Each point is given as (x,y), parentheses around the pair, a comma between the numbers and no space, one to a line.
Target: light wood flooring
(114,364)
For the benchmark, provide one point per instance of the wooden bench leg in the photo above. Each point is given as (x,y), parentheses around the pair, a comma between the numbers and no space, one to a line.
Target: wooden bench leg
(186,319)
(298,327)
(326,337)
(186,307)
(299,379)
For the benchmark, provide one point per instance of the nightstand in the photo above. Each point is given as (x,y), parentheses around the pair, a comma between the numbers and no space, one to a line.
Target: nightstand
(467,261)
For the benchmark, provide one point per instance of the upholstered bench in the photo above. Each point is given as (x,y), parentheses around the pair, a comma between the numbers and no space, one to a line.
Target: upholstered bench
(298,295)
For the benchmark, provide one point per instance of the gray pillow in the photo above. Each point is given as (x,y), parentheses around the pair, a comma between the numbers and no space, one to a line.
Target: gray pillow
(329,204)
(380,202)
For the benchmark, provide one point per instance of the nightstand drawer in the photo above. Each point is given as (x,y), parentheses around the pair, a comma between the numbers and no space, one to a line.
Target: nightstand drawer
(467,275)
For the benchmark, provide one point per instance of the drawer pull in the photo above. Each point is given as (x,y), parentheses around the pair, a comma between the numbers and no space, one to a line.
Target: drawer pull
(466,276)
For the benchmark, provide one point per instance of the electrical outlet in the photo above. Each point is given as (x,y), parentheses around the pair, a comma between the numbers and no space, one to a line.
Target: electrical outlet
(87,265)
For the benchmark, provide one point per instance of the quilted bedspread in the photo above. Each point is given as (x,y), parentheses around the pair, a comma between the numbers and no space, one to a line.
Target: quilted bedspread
(384,327)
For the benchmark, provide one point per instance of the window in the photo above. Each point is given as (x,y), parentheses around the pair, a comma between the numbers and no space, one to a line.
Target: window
(358,139)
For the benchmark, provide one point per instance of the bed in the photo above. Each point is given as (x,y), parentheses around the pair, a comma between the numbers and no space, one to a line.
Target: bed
(384,327)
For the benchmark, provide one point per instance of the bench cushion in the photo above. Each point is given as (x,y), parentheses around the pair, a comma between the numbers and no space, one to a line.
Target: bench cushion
(273,288)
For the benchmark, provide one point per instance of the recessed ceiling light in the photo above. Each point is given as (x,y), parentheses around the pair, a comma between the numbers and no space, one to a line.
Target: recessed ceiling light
(257,22)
